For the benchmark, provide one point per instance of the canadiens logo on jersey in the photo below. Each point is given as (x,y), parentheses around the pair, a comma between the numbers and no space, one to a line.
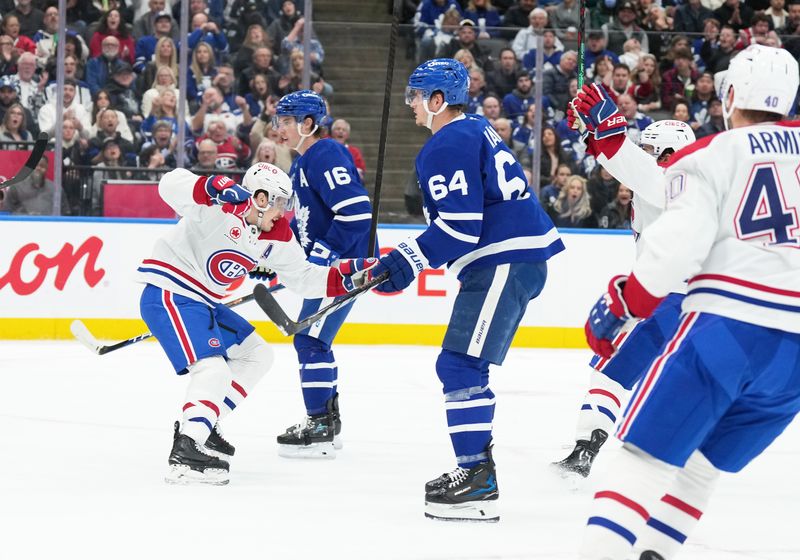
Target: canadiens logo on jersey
(223,267)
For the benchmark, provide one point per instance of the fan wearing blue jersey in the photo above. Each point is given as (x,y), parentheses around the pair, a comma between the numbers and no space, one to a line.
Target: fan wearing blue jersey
(332,222)
(487,226)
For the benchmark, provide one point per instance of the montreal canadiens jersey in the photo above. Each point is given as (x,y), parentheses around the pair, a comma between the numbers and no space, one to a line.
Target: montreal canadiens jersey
(732,227)
(209,249)
(478,204)
(333,205)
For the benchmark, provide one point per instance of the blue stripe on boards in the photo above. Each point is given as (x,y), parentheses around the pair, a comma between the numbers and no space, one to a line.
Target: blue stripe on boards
(205,421)
(746,299)
(613,527)
(674,534)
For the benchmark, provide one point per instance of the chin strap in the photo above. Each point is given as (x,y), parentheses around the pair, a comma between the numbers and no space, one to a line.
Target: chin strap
(429,122)
(255,229)
(726,114)
(304,136)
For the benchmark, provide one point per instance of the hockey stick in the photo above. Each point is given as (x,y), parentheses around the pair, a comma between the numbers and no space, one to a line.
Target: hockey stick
(387,102)
(582,44)
(33,160)
(85,337)
(277,315)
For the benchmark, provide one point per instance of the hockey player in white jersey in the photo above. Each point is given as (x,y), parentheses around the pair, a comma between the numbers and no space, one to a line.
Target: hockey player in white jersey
(728,382)
(613,377)
(226,231)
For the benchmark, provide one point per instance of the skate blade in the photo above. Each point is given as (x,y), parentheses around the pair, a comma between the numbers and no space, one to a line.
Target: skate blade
(337,442)
(183,474)
(326,450)
(476,512)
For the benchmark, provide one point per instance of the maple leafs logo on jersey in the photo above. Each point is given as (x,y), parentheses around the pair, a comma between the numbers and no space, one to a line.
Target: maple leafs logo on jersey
(302,216)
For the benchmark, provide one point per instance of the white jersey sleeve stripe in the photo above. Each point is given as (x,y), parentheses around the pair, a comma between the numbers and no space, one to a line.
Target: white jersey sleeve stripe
(353,218)
(348,202)
(453,233)
(513,244)
(461,215)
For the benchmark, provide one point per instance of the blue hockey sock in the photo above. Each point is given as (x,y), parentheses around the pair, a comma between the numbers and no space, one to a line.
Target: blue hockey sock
(318,372)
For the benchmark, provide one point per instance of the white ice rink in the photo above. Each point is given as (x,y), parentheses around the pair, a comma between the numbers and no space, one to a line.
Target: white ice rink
(85,443)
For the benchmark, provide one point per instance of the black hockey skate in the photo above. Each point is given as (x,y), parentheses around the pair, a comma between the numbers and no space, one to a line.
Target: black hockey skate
(333,407)
(313,439)
(218,446)
(189,463)
(651,555)
(465,494)
(581,459)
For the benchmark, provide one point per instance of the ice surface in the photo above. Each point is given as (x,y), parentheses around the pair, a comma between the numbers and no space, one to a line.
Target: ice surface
(85,443)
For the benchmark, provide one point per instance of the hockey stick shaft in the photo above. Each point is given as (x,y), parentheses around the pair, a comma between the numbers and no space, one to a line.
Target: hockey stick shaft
(83,335)
(582,44)
(387,103)
(37,153)
(275,312)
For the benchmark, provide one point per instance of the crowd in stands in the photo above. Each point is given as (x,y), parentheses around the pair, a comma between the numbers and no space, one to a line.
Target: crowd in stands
(120,98)
(657,59)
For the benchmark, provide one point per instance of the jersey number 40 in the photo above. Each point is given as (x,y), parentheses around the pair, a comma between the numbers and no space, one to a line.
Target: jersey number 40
(763,211)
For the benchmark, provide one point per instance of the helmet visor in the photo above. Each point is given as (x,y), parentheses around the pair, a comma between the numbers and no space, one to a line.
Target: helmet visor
(413,93)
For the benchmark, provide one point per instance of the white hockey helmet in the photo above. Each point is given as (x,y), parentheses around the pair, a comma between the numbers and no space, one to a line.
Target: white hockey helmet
(273,181)
(763,79)
(662,135)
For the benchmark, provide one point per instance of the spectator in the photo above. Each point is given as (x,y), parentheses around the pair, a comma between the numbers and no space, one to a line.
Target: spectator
(103,6)
(35,196)
(758,33)
(163,139)
(465,57)
(254,38)
(340,131)
(294,41)
(602,72)
(82,92)
(477,91)
(623,27)
(680,110)
(525,39)
(261,63)
(201,71)
(206,157)
(549,193)
(45,36)
(691,16)
(700,100)
(486,16)
(735,14)
(232,153)
(502,79)
(213,10)
(208,32)
(101,104)
(30,85)
(8,56)
(777,15)
(99,68)
(80,14)
(620,80)
(637,121)
(111,25)
(260,99)
(292,80)
(151,158)
(678,81)
(270,152)
(120,91)
(242,15)
(602,187)
(517,16)
(445,32)
(717,58)
(224,82)
(556,80)
(566,18)
(21,43)
(658,29)
(164,81)
(504,130)
(715,122)
(573,207)
(214,108)
(491,108)
(516,103)
(552,155)
(71,107)
(108,128)
(14,128)
(551,55)
(30,18)
(617,214)
(165,109)
(646,86)
(73,148)
(632,53)
(281,27)
(466,39)
(147,24)
(151,47)
(110,155)
(596,47)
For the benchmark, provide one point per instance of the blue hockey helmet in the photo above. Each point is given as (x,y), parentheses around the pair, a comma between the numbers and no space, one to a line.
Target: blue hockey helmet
(302,104)
(446,75)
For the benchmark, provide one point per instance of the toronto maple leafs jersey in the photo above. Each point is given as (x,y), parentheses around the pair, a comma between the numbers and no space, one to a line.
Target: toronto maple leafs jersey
(478,204)
(732,226)
(209,249)
(332,204)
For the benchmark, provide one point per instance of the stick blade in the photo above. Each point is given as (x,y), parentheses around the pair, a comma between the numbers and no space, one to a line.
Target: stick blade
(82,335)
(33,160)
(272,308)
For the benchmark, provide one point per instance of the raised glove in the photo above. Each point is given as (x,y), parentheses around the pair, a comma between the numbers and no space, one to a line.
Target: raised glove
(262,273)
(321,254)
(221,190)
(349,275)
(403,265)
(595,106)
(576,121)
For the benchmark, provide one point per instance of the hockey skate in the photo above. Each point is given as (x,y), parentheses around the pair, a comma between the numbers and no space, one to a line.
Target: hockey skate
(316,438)
(218,446)
(189,463)
(581,459)
(464,494)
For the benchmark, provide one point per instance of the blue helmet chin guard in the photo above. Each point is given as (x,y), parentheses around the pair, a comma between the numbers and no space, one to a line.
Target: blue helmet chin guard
(301,105)
(444,75)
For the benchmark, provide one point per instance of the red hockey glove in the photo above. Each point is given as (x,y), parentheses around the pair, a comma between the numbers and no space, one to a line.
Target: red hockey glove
(348,275)
(595,103)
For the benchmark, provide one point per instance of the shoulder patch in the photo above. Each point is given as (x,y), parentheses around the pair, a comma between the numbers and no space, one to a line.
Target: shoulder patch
(691,148)
(281,231)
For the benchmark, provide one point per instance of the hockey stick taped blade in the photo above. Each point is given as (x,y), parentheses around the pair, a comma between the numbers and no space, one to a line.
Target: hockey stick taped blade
(272,308)
(82,335)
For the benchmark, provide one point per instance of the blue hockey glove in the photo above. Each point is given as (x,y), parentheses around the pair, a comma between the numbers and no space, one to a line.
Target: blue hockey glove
(262,273)
(596,106)
(348,275)
(321,254)
(403,265)
(223,190)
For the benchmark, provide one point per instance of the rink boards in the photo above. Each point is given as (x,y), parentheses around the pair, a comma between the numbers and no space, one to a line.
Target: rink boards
(55,270)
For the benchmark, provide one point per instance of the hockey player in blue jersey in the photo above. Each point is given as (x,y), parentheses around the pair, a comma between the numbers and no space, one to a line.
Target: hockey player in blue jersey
(486,225)
(332,221)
